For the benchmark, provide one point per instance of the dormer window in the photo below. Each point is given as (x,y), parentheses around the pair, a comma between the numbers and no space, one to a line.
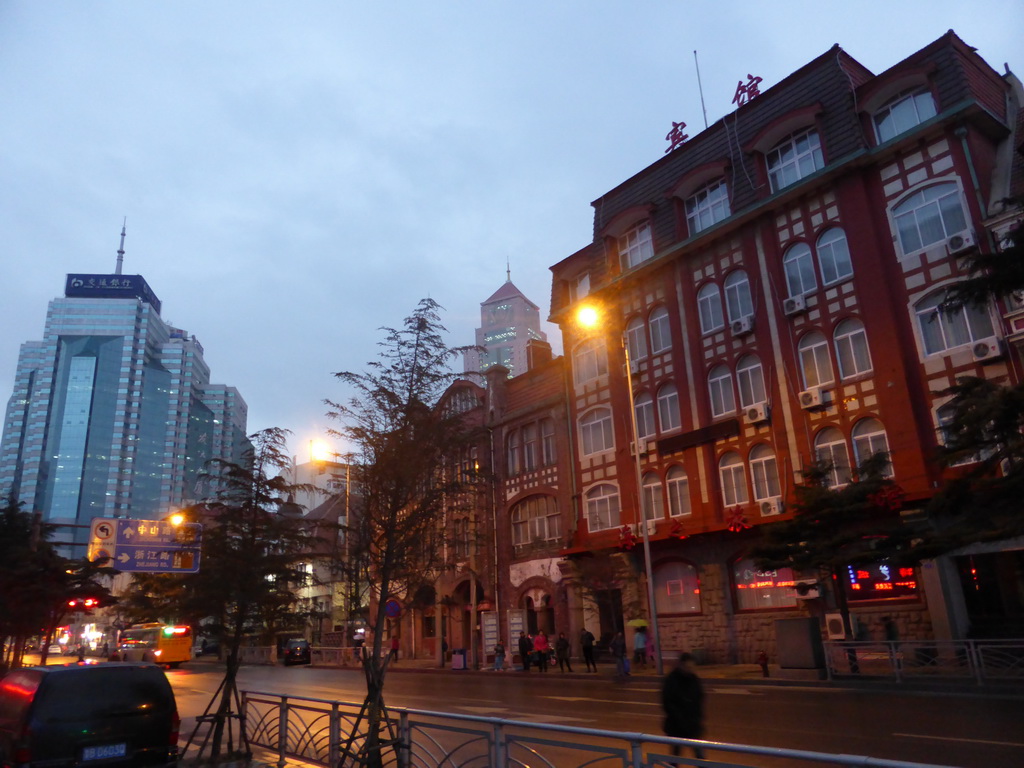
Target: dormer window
(793,158)
(579,288)
(903,112)
(636,245)
(708,206)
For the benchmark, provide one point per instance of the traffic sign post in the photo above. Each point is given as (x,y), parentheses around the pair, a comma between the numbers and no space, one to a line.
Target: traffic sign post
(146,546)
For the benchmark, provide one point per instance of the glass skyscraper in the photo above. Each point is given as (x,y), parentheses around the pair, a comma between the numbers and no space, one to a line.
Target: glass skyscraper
(113,413)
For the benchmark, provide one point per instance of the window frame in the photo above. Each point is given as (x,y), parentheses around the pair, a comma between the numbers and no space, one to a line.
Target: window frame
(872,439)
(590,361)
(636,245)
(764,473)
(816,354)
(688,585)
(835,254)
(909,95)
(842,339)
(677,492)
(608,500)
(739,302)
(669,417)
(733,479)
(653,495)
(839,474)
(717,376)
(778,164)
(646,426)
(927,312)
(707,206)
(927,197)
(548,445)
(709,308)
(798,256)
(750,381)
(661,330)
(596,421)
(636,339)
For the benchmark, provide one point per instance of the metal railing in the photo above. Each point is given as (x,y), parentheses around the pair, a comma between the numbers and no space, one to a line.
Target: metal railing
(313,730)
(979,661)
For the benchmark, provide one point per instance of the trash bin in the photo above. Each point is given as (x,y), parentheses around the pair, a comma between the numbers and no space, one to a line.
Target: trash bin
(459,658)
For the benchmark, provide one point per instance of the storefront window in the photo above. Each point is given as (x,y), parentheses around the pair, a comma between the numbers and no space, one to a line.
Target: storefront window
(756,589)
(676,589)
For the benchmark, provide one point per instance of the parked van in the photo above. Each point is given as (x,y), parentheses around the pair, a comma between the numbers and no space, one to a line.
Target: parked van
(87,714)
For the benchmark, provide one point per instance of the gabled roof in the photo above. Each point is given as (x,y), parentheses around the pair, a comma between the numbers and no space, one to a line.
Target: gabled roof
(506,292)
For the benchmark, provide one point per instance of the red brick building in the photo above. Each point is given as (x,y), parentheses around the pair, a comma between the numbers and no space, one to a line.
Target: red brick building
(776,278)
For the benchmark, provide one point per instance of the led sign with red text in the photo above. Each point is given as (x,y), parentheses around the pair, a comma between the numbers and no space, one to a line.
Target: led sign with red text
(880,581)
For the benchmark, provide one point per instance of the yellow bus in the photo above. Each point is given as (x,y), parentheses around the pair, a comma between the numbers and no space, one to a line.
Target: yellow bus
(164,644)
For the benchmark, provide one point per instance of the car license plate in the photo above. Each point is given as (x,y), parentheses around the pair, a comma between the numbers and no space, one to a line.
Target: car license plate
(104,752)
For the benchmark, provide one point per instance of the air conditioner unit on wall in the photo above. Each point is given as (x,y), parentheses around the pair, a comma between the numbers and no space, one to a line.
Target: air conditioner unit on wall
(743,325)
(646,447)
(652,527)
(834,626)
(813,397)
(794,305)
(772,506)
(807,589)
(756,413)
(961,241)
(987,350)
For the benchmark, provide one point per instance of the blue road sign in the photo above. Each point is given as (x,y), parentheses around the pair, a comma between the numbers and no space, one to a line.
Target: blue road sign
(146,546)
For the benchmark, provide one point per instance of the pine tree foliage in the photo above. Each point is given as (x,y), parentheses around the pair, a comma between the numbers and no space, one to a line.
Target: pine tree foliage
(833,527)
(990,276)
(412,470)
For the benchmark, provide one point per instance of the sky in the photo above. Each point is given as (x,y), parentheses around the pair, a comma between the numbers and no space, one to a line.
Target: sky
(297,175)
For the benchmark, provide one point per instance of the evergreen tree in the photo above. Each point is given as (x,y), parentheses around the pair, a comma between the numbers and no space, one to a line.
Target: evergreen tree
(410,472)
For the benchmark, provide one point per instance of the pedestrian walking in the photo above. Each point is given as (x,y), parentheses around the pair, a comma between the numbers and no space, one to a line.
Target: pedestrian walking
(562,652)
(499,657)
(393,653)
(640,646)
(525,649)
(444,650)
(541,650)
(617,647)
(587,646)
(682,698)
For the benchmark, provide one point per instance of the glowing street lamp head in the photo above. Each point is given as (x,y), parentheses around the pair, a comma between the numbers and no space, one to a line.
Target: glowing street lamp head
(588,316)
(176,519)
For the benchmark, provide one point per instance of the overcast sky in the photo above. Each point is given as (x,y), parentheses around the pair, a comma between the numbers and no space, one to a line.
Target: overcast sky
(297,175)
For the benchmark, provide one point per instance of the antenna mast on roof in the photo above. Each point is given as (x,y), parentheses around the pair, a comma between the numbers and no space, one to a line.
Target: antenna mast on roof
(508,271)
(120,251)
(701,89)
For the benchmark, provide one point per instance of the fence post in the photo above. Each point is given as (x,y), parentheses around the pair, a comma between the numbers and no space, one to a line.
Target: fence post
(636,753)
(499,748)
(976,658)
(404,751)
(282,734)
(334,736)
(894,660)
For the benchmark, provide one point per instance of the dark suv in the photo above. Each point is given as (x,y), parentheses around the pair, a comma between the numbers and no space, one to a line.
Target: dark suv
(297,652)
(87,714)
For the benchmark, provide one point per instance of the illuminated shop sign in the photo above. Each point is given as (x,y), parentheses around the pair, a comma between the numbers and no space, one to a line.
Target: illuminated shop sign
(110,287)
(880,581)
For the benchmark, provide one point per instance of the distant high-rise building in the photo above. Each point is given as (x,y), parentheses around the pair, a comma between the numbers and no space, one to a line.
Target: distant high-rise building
(509,321)
(113,413)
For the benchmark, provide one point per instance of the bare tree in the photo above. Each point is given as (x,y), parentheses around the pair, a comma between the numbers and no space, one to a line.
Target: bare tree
(411,475)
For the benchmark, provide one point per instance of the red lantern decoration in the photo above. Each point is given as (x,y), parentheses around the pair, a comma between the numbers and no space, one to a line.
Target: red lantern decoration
(627,541)
(676,531)
(737,520)
(890,498)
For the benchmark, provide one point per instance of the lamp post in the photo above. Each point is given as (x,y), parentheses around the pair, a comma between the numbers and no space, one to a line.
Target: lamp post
(589,317)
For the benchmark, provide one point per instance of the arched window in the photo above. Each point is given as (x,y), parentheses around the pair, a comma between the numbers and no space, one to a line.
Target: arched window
(654,499)
(929,216)
(709,304)
(661,334)
(764,473)
(750,381)
(942,330)
(602,507)
(590,360)
(676,588)
(636,341)
(815,363)
(678,487)
(668,407)
(734,479)
(758,589)
(723,401)
(512,464)
(795,157)
(834,256)
(535,519)
(644,415)
(830,449)
(799,268)
(707,206)
(903,112)
(852,348)
(596,431)
(869,439)
(529,447)
(737,295)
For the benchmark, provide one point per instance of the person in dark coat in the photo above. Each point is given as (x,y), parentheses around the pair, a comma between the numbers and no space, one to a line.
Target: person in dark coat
(682,698)
(525,649)
(617,648)
(587,646)
(562,652)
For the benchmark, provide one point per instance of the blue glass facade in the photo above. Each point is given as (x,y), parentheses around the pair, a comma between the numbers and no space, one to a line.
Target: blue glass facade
(113,414)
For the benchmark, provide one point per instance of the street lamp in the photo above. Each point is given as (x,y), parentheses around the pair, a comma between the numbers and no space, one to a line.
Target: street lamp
(590,317)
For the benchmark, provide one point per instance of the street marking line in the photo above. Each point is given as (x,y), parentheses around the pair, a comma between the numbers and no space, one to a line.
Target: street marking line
(951,738)
(604,701)
(737,691)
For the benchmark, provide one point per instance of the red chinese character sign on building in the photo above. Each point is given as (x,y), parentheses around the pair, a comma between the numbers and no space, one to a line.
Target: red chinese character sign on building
(675,137)
(746,91)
